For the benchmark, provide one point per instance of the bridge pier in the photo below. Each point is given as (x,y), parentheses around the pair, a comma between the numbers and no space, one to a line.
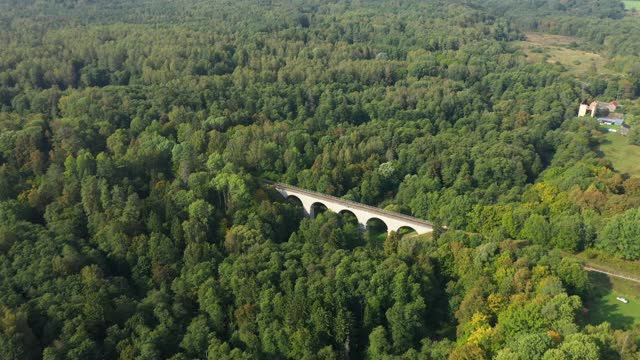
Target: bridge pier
(307,210)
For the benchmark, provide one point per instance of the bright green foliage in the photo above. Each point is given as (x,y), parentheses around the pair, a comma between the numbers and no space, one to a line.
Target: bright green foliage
(391,243)
(531,346)
(378,343)
(573,276)
(579,346)
(537,230)
(568,232)
(621,235)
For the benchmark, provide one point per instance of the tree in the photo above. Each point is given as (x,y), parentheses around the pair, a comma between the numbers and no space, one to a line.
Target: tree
(579,346)
(467,352)
(536,229)
(634,136)
(555,354)
(378,344)
(196,339)
(568,232)
(240,238)
(391,243)
(532,346)
(574,276)
(621,236)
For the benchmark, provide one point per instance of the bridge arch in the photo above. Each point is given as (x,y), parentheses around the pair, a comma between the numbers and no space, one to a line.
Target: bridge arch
(292,199)
(406,230)
(376,224)
(349,213)
(297,200)
(317,208)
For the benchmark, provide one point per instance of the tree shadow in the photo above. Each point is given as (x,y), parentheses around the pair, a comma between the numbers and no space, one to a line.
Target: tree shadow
(597,150)
(597,305)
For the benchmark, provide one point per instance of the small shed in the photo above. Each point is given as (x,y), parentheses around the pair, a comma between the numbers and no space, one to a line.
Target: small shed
(611,121)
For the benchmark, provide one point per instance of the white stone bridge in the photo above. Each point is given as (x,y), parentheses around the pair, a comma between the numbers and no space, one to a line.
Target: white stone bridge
(364,213)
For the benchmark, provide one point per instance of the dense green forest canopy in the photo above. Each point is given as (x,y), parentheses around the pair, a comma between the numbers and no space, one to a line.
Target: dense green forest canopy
(133,135)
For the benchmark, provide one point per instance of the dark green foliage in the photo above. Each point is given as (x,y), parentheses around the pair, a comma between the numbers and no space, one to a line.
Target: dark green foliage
(133,222)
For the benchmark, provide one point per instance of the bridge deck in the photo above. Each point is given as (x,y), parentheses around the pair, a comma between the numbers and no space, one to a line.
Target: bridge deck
(354,204)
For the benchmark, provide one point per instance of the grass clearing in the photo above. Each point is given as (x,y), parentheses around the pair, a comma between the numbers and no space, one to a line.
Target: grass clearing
(601,303)
(600,260)
(603,306)
(624,157)
(549,39)
(631,5)
(556,49)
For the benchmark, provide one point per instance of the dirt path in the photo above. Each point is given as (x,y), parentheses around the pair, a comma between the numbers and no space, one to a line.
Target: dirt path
(589,268)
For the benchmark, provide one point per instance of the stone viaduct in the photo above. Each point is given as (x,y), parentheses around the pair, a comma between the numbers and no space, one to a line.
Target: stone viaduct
(364,213)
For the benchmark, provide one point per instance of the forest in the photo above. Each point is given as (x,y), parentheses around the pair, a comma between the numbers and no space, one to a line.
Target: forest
(135,137)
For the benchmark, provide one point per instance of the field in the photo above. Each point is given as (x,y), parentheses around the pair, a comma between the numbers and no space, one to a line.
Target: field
(601,302)
(631,5)
(556,49)
(600,260)
(623,156)
(603,306)
(549,39)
